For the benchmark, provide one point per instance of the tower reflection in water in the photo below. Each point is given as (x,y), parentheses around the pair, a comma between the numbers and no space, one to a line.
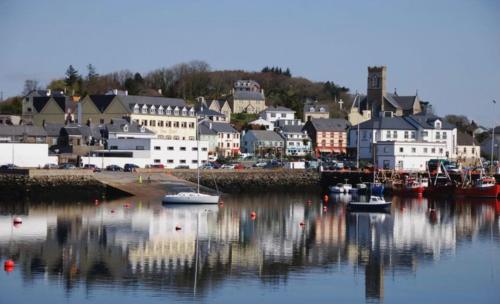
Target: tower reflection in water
(140,247)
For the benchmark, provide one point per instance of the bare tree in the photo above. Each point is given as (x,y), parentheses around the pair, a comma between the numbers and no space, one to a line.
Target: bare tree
(30,85)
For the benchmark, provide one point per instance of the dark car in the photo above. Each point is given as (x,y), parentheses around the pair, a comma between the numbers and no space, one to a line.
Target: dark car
(130,167)
(92,167)
(156,166)
(8,167)
(182,167)
(67,166)
(114,168)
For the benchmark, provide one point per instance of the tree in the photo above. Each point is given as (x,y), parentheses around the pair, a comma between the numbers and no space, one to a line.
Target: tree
(30,85)
(71,76)
(92,74)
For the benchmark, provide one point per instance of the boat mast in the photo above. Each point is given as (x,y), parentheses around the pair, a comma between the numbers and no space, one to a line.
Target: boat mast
(198,158)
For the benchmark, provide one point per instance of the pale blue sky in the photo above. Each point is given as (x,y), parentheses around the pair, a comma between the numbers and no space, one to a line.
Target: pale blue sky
(449,50)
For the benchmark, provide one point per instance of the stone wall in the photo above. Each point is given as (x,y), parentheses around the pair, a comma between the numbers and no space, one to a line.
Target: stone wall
(235,181)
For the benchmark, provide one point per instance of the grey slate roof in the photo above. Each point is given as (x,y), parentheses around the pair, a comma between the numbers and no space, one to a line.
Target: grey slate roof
(53,129)
(204,111)
(315,108)
(40,102)
(82,130)
(392,123)
(292,128)
(219,127)
(129,101)
(247,95)
(20,130)
(278,109)
(406,102)
(204,129)
(265,135)
(329,124)
(426,121)
(117,127)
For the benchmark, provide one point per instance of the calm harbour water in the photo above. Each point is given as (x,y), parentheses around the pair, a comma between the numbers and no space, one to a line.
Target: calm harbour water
(129,251)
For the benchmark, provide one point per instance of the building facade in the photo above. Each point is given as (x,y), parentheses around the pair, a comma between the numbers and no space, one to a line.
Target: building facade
(407,155)
(297,142)
(262,142)
(468,150)
(247,97)
(312,109)
(328,136)
(228,138)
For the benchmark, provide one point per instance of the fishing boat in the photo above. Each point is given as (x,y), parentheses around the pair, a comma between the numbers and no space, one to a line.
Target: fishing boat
(375,204)
(409,186)
(440,183)
(485,186)
(377,188)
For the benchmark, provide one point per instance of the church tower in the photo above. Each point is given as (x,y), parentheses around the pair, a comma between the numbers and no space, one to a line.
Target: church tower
(376,89)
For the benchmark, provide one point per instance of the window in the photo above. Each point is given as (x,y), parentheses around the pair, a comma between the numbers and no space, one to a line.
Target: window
(194,161)
(136,108)
(388,134)
(425,133)
(473,150)
(182,161)
(191,125)
(395,134)
(445,135)
(160,123)
(413,135)
(170,148)
(113,148)
(170,161)
(425,150)
(406,134)
(183,148)
(152,110)
(139,147)
(433,150)
(176,137)
(157,148)
(157,161)
(438,135)
(203,149)
(144,109)
(176,124)
(413,150)
(168,124)
(365,135)
(183,124)
(194,148)
(191,137)
(145,123)
(101,120)
(401,149)
(441,150)
(152,123)
(283,115)
(387,164)
(465,150)
(273,114)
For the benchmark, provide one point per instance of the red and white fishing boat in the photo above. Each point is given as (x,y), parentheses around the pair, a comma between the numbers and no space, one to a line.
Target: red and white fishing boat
(485,186)
(408,187)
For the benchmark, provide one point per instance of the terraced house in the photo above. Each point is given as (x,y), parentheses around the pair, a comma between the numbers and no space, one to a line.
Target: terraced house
(41,106)
(168,118)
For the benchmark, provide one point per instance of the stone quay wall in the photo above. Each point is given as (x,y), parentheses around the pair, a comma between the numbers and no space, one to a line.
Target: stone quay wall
(254,180)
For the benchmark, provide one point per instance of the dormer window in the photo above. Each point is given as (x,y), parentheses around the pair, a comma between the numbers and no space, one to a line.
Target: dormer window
(311,109)
(168,111)
(152,110)
(144,109)
(125,128)
(176,111)
(136,108)
(184,111)
(160,110)
(191,112)
(437,124)
(143,129)
(322,109)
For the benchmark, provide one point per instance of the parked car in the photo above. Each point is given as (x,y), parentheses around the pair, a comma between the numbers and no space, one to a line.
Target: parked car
(92,167)
(130,167)
(114,168)
(51,166)
(67,166)
(8,167)
(260,164)
(239,166)
(156,166)
(182,167)
(207,166)
(227,166)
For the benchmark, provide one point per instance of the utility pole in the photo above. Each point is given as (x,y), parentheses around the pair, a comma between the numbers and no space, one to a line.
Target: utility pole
(493,138)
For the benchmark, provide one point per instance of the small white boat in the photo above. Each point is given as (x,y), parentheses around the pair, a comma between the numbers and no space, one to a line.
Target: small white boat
(340,188)
(190,198)
(360,188)
(376,203)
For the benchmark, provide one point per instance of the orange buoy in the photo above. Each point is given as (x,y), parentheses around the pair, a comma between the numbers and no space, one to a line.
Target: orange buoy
(325,198)
(177,228)
(18,221)
(8,265)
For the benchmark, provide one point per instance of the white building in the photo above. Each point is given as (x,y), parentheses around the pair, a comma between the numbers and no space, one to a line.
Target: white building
(297,142)
(407,155)
(26,154)
(414,128)
(271,114)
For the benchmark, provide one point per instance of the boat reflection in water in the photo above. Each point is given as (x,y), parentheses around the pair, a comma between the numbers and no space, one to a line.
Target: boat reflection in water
(185,251)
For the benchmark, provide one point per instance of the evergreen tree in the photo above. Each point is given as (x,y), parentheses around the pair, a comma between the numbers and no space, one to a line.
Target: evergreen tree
(71,76)
(92,73)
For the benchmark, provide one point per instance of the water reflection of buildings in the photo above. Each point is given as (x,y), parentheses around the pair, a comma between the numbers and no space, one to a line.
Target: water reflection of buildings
(140,244)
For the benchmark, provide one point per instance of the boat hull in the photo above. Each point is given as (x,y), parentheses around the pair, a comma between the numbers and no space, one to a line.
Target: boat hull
(408,190)
(206,199)
(493,191)
(369,207)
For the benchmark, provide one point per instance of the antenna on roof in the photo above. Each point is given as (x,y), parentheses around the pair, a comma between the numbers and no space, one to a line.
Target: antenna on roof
(395,92)
(416,92)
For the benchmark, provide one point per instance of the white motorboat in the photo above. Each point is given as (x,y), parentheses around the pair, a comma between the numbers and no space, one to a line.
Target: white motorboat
(340,188)
(376,203)
(190,198)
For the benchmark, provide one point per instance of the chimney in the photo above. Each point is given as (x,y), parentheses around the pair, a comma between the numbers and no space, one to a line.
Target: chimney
(79,113)
(210,126)
(49,92)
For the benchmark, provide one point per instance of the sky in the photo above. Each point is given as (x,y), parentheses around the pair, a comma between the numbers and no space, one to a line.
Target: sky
(447,50)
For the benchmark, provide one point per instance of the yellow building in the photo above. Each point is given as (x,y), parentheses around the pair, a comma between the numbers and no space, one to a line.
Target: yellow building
(169,118)
(248,97)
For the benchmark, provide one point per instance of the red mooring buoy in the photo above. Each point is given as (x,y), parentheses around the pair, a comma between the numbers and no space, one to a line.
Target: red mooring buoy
(17,221)
(325,198)
(8,265)
(96,202)
(301,224)
(253,215)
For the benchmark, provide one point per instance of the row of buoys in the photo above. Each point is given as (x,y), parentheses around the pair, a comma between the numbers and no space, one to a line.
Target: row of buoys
(9,265)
